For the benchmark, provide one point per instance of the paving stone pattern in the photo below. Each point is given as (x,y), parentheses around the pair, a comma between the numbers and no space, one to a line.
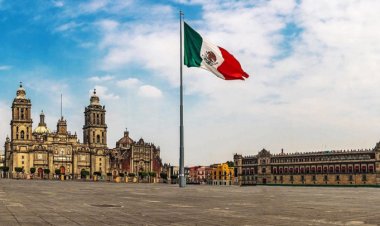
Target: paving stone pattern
(39,202)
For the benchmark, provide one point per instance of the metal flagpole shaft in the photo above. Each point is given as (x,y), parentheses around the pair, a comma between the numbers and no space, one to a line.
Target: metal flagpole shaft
(182,179)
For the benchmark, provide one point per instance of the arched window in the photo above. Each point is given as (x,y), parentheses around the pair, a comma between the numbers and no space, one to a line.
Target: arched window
(22,134)
(22,113)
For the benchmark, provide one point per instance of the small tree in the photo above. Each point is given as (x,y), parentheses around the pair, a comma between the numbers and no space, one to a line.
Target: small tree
(5,170)
(109,175)
(143,175)
(97,173)
(121,174)
(131,175)
(57,171)
(18,171)
(164,175)
(32,171)
(230,163)
(84,173)
(46,172)
(152,174)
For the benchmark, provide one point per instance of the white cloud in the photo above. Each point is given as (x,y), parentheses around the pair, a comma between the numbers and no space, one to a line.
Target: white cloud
(101,78)
(6,114)
(149,91)
(67,26)
(93,6)
(58,4)
(129,83)
(103,93)
(108,25)
(5,67)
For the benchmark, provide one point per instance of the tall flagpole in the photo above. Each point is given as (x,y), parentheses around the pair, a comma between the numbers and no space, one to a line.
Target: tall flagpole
(182,179)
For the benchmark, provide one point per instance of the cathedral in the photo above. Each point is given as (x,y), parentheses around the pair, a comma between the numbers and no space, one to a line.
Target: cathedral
(56,152)
(135,157)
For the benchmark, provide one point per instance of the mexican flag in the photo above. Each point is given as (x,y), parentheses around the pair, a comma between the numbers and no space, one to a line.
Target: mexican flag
(201,53)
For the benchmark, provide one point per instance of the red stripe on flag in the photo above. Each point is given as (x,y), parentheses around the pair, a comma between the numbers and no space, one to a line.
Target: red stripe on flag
(231,68)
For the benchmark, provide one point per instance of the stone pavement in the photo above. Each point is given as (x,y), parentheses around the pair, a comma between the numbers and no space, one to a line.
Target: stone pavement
(39,202)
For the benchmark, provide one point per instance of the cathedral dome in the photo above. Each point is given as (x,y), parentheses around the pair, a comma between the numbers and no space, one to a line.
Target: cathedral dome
(42,128)
(20,92)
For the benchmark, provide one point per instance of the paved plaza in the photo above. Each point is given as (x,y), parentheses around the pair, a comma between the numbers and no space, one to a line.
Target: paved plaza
(39,202)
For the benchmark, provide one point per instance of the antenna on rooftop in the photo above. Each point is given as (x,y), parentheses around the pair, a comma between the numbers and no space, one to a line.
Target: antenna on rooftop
(61,107)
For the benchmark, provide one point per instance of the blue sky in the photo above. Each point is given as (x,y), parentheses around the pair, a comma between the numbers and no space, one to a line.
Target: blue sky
(313,66)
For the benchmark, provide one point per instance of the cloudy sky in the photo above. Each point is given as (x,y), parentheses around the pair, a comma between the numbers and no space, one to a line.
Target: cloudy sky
(314,68)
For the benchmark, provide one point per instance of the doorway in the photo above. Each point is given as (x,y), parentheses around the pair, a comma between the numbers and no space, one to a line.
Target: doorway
(40,173)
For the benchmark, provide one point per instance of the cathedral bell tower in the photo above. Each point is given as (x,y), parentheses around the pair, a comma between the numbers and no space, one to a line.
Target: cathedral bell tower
(21,123)
(95,127)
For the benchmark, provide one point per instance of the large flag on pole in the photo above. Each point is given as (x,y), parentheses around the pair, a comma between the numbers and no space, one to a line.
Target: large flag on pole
(201,53)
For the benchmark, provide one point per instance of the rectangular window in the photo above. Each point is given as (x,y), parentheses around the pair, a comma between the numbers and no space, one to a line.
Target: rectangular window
(337,178)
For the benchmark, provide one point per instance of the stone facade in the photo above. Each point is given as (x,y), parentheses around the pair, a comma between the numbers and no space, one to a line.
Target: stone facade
(58,150)
(135,157)
(197,174)
(344,167)
(172,173)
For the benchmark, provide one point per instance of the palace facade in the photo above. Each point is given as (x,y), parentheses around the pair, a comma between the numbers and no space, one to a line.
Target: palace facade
(343,167)
(57,150)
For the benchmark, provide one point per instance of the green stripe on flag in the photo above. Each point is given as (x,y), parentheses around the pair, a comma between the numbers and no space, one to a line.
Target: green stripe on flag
(193,43)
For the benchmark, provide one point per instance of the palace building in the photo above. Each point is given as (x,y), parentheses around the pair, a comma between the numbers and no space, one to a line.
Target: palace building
(57,150)
(343,167)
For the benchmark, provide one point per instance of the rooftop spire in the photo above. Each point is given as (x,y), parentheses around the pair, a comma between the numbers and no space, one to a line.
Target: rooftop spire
(94,100)
(61,107)
(20,94)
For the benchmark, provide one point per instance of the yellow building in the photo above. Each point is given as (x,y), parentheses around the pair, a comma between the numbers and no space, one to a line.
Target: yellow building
(222,174)
(59,150)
